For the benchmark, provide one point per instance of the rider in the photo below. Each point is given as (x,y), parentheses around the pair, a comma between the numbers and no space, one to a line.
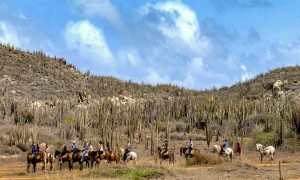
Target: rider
(74,146)
(127,150)
(85,148)
(64,150)
(37,149)
(100,148)
(47,150)
(108,147)
(90,147)
(191,145)
(33,149)
(165,148)
(223,147)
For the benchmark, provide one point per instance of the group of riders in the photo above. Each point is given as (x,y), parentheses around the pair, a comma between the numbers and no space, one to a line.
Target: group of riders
(87,148)
(225,145)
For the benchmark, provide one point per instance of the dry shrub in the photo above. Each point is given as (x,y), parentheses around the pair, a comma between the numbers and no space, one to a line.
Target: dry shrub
(234,166)
(203,158)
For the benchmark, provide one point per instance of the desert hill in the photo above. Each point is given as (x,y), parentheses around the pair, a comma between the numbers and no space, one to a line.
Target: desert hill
(45,99)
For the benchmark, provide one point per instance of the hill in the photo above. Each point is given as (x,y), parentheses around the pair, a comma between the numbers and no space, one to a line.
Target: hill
(45,99)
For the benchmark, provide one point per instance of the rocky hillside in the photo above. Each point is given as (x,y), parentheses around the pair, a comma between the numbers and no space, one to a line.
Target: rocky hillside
(45,99)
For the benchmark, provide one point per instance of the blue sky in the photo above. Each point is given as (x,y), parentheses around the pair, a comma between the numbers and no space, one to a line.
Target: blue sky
(195,44)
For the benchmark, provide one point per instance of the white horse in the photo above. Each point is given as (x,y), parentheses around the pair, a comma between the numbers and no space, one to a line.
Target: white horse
(130,156)
(265,151)
(228,151)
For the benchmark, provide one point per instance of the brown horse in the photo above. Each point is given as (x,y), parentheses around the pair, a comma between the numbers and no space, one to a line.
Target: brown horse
(114,156)
(65,158)
(168,155)
(51,160)
(36,158)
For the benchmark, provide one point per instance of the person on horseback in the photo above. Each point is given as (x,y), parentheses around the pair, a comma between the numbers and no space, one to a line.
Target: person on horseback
(191,145)
(33,149)
(108,147)
(85,149)
(165,148)
(90,148)
(127,150)
(37,149)
(63,151)
(100,148)
(223,147)
(74,146)
(47,150)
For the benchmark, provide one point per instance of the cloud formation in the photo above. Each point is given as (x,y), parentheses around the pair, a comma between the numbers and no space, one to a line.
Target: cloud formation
(88,40)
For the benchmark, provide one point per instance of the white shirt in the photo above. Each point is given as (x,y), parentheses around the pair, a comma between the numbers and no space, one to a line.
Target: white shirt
(191,144)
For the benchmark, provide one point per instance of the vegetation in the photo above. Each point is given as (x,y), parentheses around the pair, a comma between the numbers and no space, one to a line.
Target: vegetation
(44,99)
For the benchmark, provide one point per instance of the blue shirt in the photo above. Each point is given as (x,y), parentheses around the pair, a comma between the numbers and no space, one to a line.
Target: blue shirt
(33,150)
(225,144)
(74,146)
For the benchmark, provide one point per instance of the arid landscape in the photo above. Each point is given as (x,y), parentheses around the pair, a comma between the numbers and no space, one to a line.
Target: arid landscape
(45,100)
(247,166)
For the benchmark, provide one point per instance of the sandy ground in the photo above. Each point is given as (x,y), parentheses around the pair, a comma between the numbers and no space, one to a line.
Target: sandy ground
(246,167)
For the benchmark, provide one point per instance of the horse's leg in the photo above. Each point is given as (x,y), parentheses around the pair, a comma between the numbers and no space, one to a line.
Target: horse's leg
(60,165)
(28,166)
(34,166)
(261,157)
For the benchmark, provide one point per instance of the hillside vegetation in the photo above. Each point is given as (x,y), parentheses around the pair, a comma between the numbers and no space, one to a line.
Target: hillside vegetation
(45,99)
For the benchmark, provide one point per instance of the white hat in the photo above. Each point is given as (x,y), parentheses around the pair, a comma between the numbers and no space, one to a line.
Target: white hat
(73,141)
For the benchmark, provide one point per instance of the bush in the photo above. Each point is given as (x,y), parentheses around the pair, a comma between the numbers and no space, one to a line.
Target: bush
(265,138)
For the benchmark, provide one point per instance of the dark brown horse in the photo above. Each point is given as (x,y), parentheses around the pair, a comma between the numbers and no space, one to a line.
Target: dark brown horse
(168,155)
(36,158)
(185,151)
(65,158)
(77,158)
(93,157)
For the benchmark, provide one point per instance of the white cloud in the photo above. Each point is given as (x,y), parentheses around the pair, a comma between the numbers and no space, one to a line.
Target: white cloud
(102,8)
(245,75)
(8,34)
(179,26)
(89,40)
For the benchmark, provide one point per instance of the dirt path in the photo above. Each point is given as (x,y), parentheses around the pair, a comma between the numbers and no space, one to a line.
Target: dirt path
(245,168)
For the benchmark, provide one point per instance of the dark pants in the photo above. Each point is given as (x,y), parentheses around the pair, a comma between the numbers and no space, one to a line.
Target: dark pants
(163,152)
(190,149)
(125,154)
(62,153)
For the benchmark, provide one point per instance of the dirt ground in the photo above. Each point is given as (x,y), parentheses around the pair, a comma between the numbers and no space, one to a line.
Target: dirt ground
(247,166)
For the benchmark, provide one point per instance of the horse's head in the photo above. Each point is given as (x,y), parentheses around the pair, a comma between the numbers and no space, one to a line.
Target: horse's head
(216,149)
(57,153)
(259,147)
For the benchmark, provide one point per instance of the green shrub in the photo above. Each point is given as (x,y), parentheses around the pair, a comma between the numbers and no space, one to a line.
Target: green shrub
(265,138)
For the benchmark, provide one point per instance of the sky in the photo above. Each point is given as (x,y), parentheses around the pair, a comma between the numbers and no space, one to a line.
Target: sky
(195,44)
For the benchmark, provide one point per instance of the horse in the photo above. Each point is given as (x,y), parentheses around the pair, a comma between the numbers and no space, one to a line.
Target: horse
(93,157)
(77,158)
(168,155)
(228,151)
(184,151)
(65,158)
(129,156)
(114,156)
(265,151)
(51,160)
(36,158)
